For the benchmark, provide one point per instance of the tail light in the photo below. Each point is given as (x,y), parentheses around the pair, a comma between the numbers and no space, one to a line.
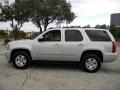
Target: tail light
(113,47)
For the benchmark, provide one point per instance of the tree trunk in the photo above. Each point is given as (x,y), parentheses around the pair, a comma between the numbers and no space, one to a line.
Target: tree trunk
(13,29)
(46,23)
(40,29)
(16,33)
(15,37)
(45,28)
(39,25)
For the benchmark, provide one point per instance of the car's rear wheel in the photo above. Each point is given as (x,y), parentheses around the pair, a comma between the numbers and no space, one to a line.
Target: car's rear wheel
(91,63)
(21,60)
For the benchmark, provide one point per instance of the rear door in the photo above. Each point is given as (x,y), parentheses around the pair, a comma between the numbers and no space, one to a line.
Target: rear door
(73,44)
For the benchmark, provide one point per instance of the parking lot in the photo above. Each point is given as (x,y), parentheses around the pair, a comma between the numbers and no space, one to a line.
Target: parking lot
(49,76)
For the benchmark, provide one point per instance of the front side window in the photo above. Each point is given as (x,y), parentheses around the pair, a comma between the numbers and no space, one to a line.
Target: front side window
(98,35)
(73,35)
(54,35)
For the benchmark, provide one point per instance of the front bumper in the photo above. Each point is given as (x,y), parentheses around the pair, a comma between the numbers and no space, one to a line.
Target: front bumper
(109,57)
(7,55)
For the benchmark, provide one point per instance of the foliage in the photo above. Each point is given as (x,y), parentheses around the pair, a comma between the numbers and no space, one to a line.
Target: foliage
(3,33)
(45,12)
(7,41)
(88,26)
(16,14)
(20,34)
(40,12)
(104,26)
(35,34)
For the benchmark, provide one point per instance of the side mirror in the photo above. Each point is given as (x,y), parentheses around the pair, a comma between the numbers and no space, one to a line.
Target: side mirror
(40,39)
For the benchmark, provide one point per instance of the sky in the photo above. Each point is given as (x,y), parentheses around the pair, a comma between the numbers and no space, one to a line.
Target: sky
(90,12)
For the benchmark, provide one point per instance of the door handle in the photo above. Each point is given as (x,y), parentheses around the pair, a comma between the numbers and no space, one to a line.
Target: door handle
(80,45)
(57,45)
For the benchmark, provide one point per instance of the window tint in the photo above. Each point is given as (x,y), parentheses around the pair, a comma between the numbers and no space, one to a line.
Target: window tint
(54,35)
(97,35)
(73,35)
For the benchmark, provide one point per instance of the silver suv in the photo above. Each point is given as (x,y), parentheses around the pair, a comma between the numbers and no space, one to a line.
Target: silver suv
(89,46)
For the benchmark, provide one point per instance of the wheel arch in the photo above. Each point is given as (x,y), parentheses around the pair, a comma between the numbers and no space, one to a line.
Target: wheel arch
(97,52)
(18,50)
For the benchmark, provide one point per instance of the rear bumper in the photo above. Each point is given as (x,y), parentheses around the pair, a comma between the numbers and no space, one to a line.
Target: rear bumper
(7,55)
(109,57)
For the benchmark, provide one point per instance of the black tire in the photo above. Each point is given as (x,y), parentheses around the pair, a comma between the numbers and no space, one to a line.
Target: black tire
(19,54)
(85,64)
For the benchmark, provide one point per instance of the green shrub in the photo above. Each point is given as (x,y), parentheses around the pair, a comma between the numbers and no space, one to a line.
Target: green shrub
(7,40)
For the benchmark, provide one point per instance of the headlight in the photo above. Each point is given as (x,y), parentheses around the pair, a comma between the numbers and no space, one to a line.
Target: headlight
(8,46)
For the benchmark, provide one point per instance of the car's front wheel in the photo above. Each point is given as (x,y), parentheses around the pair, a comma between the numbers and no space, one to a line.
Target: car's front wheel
(91,63)
(21,60)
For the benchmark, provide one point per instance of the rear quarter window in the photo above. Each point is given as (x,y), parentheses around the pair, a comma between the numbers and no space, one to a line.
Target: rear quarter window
(98,35)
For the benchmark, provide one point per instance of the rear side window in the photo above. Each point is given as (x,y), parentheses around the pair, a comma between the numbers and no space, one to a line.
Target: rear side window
(97,35)
(73,35)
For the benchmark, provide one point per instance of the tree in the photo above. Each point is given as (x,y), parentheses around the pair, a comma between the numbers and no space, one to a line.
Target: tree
(88,26)
(16,14)
(45,12)
(40,12)
(104,26)
(3,34)
(20,35)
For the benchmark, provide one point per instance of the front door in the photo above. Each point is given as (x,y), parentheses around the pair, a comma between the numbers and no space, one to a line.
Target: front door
(50,48)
